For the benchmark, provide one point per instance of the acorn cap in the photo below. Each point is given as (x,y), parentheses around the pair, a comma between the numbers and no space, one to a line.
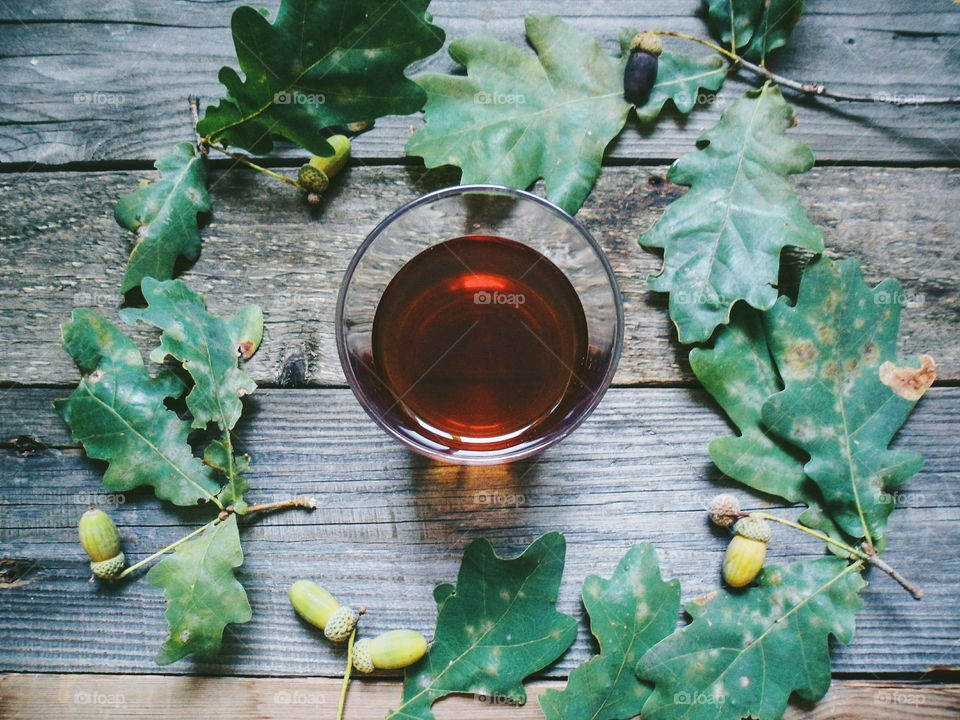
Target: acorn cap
(724,510)
(341,624)
(646,42)
(753,528)
(109,569)
(362,660)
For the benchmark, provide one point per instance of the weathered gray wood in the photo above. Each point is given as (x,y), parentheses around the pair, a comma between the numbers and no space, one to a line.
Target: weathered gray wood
(390,525)
(61,249)
(80,697)
(109,81)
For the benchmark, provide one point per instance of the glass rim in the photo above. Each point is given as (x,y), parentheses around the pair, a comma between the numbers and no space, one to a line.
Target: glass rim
(491,189)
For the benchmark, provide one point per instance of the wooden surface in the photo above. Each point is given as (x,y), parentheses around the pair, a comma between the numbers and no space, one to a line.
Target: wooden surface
(391,525)
(265,245)
(80,697)
(54,54)
(103,86)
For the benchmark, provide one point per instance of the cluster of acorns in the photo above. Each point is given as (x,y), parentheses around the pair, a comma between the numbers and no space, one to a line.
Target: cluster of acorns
(388,651)
(748,549)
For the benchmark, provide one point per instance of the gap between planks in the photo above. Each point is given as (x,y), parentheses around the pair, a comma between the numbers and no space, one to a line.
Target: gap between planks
(148,697)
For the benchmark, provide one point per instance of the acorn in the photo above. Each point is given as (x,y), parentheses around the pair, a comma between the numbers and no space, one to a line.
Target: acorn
(101,539)
(319,608)
(640,73)
(389,651)
(315,176)
(724,510)
(746,552)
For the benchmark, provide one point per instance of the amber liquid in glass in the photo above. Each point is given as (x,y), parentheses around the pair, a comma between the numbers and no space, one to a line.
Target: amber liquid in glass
(480,342)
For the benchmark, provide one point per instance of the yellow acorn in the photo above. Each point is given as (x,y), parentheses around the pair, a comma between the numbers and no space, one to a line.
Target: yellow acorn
(389,651)
(746,552)
(101,539)
(315,176)
(318,607)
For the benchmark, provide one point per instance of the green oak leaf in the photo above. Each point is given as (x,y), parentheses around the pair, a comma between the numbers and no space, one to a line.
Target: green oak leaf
(740,375)
(629,614)
(203,595)
(117,412)
(206,345)
(323,63)
(515,118)
(679,78)
(745,652)
(218,456)
(722,240)
(163,214)
(754,27)
(496,627)
(829,348)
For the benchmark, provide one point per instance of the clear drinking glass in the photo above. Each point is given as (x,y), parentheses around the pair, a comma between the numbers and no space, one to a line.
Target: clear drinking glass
(492,361)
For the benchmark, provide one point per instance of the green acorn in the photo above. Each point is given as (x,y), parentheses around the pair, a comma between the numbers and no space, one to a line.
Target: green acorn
(319,608)
(101,539)
(746,552)
(389,651)
(315,176)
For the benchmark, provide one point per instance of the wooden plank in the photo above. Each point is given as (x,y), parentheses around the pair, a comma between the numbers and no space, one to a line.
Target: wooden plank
(81,697)
(265,245)
(390,525)
(109,82)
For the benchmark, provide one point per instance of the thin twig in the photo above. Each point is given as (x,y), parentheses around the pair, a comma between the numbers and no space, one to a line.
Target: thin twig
(250,163)
(879,562)
(194,102)
(168,548)
(814,89)
(301,501)
(867,553)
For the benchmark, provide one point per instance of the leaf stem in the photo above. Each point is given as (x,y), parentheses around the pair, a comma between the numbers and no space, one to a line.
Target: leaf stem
(808,88)
(231,469)
(867,554)
(168,548)
(301,501)
(346,676)
(816,533)
(250,163)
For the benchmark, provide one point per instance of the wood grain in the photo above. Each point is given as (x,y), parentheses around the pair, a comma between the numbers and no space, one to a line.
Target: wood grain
(61,249)
(108,82)
(390,525)
(81,697)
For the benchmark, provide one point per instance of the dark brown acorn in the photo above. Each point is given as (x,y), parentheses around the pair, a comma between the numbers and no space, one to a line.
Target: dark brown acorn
(641,71)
